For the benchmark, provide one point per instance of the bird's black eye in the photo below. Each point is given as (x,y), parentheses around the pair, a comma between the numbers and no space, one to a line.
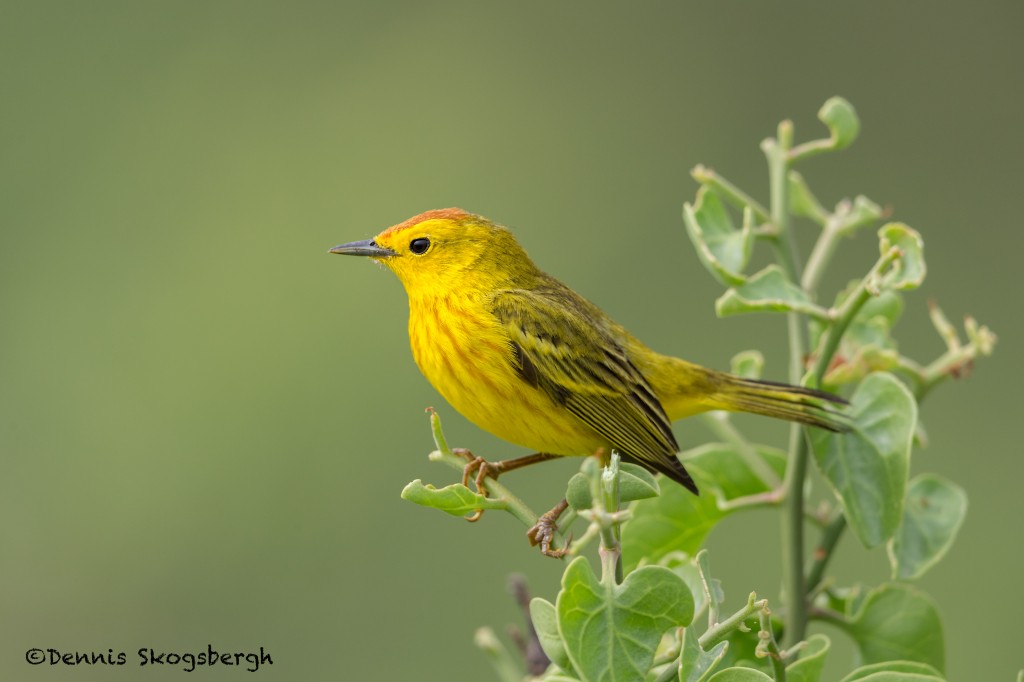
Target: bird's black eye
(419,246)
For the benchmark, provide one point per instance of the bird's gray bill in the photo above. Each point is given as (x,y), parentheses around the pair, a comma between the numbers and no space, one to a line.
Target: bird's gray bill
(366,247)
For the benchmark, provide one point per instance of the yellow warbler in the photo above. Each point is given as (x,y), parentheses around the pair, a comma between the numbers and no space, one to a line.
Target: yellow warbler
(528,359)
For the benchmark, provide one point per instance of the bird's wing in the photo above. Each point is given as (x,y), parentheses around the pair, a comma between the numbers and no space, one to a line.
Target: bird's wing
(564,346)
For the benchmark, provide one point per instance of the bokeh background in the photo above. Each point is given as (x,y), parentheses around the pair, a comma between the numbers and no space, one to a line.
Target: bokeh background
(205,420)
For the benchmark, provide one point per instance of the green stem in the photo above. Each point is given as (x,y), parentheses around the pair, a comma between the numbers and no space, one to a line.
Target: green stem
(778,168)
(514,505)
(777,153)
(767,646)
(825,550)
(504,664)
(729,191)
(820,256)
(793,540)
(671,673)
(843,317)
(716,634)
(847,311)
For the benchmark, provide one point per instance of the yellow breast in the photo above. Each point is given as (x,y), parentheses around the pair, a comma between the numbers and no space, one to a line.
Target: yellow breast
(465,353)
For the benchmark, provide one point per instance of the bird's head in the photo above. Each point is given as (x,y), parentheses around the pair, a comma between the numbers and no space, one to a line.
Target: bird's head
(445,249)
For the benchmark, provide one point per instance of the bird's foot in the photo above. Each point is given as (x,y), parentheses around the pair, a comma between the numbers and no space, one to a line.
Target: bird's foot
(479,466)
(483,469)
(543,532)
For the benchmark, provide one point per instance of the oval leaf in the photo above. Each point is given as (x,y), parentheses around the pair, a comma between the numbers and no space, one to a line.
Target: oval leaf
(456,499)
(611,631)
(722,248)
(934,510)
(802,201)
(635,483)
(908,271)
(768,290)
(545,623)
(695,664)
(922,670)
(677,520)
(867,466)
(740,675)
(841,119)
(748,364)
(896,622)
(809,666)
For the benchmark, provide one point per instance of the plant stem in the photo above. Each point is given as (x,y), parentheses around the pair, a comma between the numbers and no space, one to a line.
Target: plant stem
(729,191)
(714,635)
(846,312)
(821,254)
(793,541)
(669,674)
(515,506)
(504,664)
(770,648)
(826,550)
(777,153)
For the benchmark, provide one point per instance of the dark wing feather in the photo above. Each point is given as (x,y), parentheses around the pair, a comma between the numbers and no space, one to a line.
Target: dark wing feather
(566,347)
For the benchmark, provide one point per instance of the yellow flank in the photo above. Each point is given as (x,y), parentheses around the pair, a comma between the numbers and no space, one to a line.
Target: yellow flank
(533,362)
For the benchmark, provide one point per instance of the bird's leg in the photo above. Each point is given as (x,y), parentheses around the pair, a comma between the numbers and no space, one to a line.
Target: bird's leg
(485,469)
(543,532)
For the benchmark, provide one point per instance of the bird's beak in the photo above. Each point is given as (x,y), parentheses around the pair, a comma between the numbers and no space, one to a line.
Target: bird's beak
(366,247)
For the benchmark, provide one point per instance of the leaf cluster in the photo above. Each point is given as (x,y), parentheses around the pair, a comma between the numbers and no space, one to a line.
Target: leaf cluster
(643,617)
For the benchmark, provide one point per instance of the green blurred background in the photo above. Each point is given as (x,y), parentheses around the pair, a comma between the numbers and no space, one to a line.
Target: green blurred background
(206,420)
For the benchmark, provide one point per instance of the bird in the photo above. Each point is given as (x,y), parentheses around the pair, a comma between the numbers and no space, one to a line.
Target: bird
(523,356)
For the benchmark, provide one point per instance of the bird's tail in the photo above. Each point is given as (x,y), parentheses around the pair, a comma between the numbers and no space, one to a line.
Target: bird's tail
(782,401)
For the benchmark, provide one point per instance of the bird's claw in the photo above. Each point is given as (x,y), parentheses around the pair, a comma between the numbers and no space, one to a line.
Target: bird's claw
(543,532)
(483,469)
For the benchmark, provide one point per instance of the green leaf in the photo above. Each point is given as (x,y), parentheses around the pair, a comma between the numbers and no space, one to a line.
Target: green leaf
(557,676)
(909,269)
(809,666)
(896,622)
(932,515)
(635,483)
(742,651)
(696,665)
(723,470)
(612,631)
(867,466)
(887,676)
(748,364)
(922,671)
(862,212)
(545,622)
(679,521)
(455,499)
(768,290)
(867,345)
(841,119)
(740,675)
(722,248)
(675,521)
(578,493)
(711,587)
(802,201)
